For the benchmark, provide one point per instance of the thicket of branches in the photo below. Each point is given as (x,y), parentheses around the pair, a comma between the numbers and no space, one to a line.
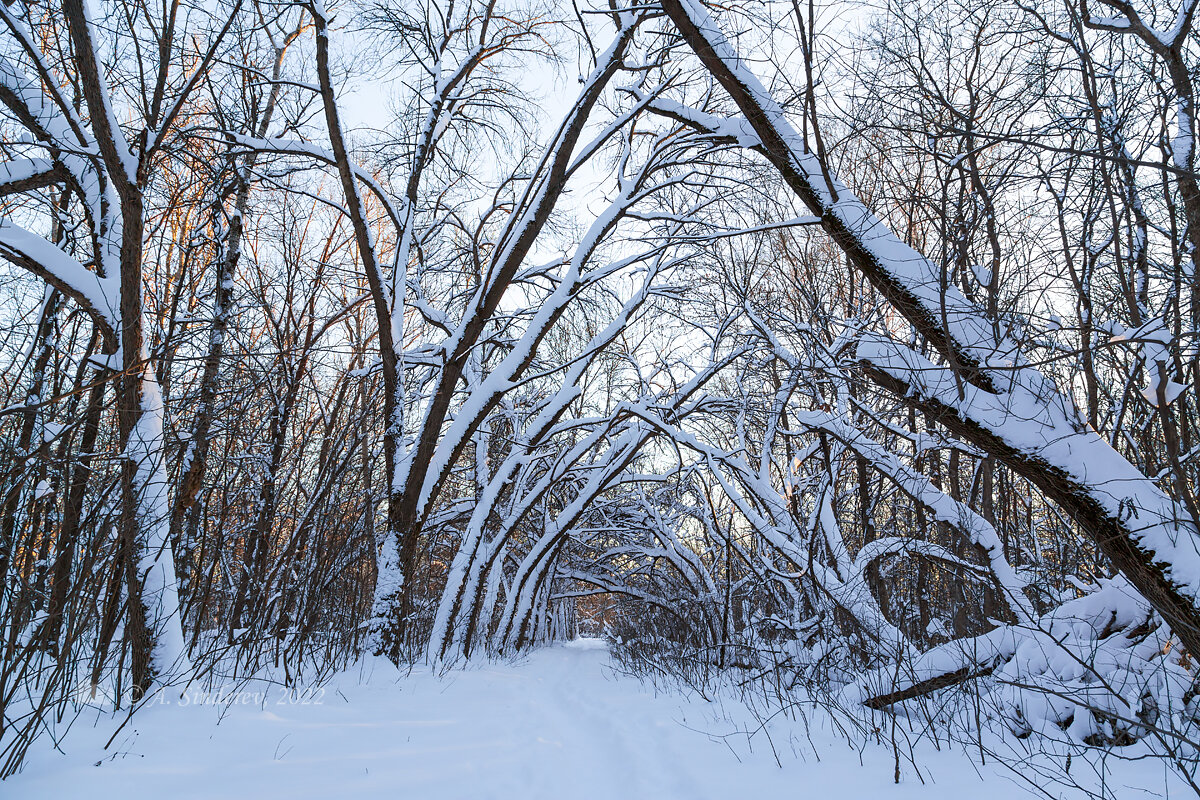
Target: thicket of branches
(860,354)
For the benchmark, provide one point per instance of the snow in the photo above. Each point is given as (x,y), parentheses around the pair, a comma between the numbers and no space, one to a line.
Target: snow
(22,169)
(1171,392)
(1181,144)
(562,723)
(156,559)
(99,294)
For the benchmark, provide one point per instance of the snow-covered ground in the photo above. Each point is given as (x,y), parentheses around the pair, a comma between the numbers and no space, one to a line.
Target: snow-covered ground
(561,723)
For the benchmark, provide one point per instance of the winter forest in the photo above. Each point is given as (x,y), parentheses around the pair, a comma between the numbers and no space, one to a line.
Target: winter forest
(723,384)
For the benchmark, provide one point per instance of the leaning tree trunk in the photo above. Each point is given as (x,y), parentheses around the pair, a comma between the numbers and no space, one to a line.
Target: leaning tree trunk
(1143,533)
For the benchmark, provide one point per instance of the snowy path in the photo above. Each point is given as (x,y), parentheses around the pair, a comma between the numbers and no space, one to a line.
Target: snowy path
(560,724)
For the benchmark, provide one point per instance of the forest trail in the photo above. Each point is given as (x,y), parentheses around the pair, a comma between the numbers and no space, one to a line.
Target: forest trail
(560,723)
